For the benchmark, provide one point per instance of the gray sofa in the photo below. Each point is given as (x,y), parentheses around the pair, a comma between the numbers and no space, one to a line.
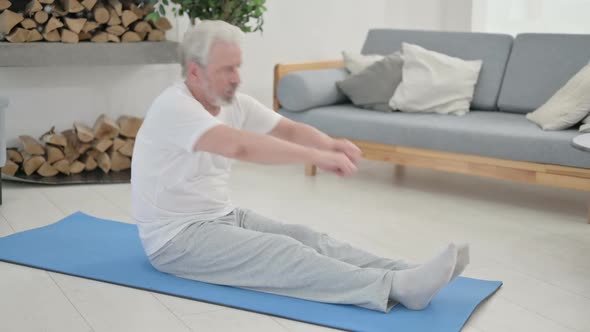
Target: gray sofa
(494,139)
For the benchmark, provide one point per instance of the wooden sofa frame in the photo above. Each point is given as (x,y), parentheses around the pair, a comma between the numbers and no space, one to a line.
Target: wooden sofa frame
(529,172)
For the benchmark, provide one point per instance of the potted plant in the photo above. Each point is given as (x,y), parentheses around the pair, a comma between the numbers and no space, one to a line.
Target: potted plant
(245,14)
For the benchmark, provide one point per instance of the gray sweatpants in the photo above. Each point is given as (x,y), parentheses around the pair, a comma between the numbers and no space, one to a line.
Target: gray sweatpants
(244,249)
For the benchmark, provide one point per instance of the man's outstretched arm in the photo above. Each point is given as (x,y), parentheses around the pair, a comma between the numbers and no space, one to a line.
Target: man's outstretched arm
(264,149)
(306,135)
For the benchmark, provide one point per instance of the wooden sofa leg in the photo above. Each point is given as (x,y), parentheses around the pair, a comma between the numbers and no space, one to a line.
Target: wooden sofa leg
(399,171)
(310,170)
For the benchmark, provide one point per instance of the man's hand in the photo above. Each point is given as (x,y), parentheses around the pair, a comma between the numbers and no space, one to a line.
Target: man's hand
(335,162)
(348,148)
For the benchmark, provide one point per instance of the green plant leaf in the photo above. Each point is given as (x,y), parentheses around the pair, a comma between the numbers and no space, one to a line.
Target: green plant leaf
(152,16)
(245,14)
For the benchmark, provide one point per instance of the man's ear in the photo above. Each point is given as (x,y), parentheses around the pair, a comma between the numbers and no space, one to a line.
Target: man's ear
(194,69)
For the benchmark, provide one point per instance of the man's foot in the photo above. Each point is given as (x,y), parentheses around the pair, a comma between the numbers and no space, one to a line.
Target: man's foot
(405,265)
(462,260)
(416,287)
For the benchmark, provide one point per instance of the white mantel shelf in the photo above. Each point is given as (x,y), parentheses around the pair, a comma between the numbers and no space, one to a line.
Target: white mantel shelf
(43,54)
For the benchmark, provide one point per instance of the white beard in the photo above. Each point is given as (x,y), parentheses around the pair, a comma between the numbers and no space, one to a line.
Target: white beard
(217,100)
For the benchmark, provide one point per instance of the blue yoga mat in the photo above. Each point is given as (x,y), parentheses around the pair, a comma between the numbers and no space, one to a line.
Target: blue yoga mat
(110,251)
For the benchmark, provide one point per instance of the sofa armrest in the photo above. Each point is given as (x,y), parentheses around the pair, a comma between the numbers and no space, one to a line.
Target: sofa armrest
(301,86)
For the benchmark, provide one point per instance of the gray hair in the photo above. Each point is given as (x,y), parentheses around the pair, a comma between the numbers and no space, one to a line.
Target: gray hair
(198,39)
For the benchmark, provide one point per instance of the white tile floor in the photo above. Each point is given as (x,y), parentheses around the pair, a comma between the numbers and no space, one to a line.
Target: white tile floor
(533,238)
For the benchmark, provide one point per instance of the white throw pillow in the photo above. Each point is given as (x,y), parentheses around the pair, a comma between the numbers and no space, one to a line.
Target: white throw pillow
(567,106)
(355,63)
(435,82)
(585,126)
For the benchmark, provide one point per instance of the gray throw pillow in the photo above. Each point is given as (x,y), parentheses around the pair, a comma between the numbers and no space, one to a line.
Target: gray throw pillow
(373,87)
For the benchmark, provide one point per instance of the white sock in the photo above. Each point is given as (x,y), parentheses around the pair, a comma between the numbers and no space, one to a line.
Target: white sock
(405,265)
(462,260)
(416,287)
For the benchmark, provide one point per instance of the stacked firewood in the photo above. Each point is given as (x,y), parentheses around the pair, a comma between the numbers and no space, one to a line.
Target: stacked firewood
(107,146)
(72,21)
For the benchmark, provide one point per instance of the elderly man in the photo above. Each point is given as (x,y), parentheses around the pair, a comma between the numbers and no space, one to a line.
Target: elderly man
(188,225)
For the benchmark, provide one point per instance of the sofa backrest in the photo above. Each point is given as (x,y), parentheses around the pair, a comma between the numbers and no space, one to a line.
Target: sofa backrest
(493,49)
(539,65)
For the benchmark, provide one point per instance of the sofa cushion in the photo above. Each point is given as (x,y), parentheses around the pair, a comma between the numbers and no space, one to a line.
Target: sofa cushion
(540,64)
(492,134)
(307,89)
(492,49)
(373,87)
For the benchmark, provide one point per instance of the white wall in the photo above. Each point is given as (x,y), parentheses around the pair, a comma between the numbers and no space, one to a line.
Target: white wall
(414,14)
(295,30)
(516,16)
(449,15)
(58,96)
(456,15)
(303,30)
(308,30)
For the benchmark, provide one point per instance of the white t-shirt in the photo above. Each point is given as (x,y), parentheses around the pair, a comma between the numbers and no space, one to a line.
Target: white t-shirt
(172,185)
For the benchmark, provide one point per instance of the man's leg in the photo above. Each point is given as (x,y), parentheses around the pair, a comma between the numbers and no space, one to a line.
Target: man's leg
(220,252)
(321,242)
(331,247)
